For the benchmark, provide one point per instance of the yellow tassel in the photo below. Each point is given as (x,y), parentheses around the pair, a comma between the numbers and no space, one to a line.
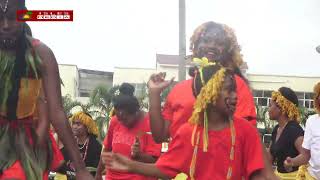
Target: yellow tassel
(229,173)
(232,153)
(194,158)
(201,77)
(112,113)
(205,133)
(193,134)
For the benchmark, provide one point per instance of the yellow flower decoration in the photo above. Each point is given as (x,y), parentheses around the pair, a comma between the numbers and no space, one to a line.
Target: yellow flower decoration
(112,112)
(286,106)
(208,94)
(203,62)
(87,121)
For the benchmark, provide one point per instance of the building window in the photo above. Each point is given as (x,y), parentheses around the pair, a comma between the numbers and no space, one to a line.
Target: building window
(257,93)
(84,94)
(263,98)
(140,89)
(305,99)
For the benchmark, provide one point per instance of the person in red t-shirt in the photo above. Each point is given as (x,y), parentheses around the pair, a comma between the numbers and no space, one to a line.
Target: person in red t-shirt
(217,43)
(129,135)
(214,144)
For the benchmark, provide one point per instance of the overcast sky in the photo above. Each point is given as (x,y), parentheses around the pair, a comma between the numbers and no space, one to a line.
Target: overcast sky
(277,36)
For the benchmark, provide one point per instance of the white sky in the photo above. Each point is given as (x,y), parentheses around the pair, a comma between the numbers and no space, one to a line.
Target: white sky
(277,36)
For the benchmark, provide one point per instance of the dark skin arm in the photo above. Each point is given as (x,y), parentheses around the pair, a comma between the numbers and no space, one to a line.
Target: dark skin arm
(159,126)
(257,175)
(51,85)
(122,163)
(140,156)
(43,119)
(100,170)
(101,165)
(267,172)
(301,159)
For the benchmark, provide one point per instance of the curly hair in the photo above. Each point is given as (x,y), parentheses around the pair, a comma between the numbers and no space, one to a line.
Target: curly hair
(225,36)
(316,91)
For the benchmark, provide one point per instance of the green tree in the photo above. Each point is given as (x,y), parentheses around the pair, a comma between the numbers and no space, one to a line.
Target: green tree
(68,104)
(304,114)
(262,117)
(101,101)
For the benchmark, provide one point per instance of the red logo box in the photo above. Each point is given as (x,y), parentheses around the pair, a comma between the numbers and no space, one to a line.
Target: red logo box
(44,15)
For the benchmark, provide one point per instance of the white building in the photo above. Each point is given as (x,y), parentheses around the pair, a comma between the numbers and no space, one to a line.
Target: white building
(79,83)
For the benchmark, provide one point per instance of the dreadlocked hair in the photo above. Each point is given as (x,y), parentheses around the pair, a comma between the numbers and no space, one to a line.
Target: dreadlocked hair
(316,91)
(207,86)
(19,70)
(225,37)
(21,67)
(126,100)
(86,119)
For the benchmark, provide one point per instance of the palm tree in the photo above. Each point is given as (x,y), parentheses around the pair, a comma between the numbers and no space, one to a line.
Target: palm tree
(304,114)
(69,104)
(101,101)
(262,118)
(143,97)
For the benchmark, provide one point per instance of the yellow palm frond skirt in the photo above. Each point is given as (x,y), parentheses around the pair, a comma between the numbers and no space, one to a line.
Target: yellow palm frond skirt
(301,174)
(181,176)
(60,177)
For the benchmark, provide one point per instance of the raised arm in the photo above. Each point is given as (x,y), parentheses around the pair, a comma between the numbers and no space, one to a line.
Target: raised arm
(159,126)
(51,85)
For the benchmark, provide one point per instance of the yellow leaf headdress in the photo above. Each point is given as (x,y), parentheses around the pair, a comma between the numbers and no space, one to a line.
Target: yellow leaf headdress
(287,107)
(87,121)
(208,95)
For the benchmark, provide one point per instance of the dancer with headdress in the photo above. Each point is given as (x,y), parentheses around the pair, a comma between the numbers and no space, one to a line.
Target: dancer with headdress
(30,99)
(287,136)
(214,144)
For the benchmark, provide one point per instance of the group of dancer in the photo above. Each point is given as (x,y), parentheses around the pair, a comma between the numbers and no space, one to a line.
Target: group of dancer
(209,120)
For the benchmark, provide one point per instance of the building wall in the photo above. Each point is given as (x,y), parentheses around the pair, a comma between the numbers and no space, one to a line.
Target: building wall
(263,85)
(70,77)
(131,75)
(171,70)
(90,79)
(273,82)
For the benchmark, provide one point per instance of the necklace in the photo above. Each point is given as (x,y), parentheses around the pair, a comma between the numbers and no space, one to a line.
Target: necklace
(5,6)
(280,130)
(231,155)
(86,150)
(233,144)
(84,144)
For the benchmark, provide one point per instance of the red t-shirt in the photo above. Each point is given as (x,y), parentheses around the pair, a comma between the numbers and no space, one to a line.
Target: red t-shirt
(214,163)
(119,139)
(179,104)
